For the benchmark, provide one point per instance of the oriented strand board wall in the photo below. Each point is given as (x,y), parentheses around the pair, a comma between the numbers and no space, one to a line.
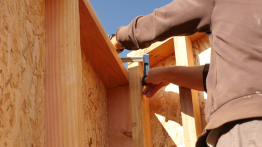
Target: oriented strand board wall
(165,112)
(22,73)
(95,107)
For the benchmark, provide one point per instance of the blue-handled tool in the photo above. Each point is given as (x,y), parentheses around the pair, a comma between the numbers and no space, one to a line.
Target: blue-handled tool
(146,67)
(146,64)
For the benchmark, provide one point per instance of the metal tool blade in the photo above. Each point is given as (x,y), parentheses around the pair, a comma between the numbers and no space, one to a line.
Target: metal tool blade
(132,59)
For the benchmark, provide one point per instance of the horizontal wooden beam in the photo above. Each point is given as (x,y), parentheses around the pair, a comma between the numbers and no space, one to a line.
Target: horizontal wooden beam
(196,36)
(157,51)
(163,49)
(98,48)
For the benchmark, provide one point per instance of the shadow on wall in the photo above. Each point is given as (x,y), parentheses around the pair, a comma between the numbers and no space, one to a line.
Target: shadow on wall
(166,121)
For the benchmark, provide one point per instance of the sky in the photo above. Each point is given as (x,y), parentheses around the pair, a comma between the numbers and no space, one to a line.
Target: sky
(116,13)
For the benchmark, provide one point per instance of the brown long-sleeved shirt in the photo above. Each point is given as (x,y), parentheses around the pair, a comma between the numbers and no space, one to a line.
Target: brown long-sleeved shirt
(234,82)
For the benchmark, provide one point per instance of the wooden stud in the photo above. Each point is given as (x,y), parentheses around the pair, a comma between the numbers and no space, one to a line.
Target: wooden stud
(63,67)
(68,65)
(190,108)
(140,111)
(119,115)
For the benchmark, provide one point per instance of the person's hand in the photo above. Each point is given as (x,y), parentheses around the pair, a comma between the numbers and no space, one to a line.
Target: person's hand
(116,44)
(151,89)
(155,75)
(155,81)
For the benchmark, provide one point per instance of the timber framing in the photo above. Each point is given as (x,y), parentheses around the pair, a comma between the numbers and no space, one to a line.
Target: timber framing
(75,36)
(182,48)
(64,84)
(163,49)
(63,67)
(140,109)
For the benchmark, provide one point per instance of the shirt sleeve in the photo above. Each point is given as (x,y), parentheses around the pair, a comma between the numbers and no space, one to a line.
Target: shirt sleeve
(205,73)
(179,18)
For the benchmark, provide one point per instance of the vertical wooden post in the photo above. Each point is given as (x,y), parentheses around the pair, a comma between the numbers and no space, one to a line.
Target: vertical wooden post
(119,117)
(63,74)
(191,117)
(140,111)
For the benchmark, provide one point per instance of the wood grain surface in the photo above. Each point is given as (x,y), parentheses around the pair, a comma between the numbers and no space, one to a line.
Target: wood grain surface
(63,74)
(119,117)
(140,111)
(163,49)
(191,117)
(157,51)
(196,36)
(99,50)
(76,98)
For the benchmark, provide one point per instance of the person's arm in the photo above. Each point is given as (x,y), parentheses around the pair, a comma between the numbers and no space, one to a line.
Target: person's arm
(189,77)
(180,17)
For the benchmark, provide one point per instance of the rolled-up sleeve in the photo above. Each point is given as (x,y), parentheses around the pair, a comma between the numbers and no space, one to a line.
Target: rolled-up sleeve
(180,17)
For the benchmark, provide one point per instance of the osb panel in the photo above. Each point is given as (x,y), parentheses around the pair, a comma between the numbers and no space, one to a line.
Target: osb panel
(22,73)
(201,49)
(165,112)
(95,107)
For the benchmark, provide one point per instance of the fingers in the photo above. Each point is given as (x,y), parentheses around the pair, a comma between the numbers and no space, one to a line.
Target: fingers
(155,75)
(149,80)
(151,90)
(148,87)
(146,80)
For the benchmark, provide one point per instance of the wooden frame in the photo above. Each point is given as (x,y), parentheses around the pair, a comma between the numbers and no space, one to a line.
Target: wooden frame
(182,48)
(161,50)
(89,101)
(64,47)
(140,110)
(63,113)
